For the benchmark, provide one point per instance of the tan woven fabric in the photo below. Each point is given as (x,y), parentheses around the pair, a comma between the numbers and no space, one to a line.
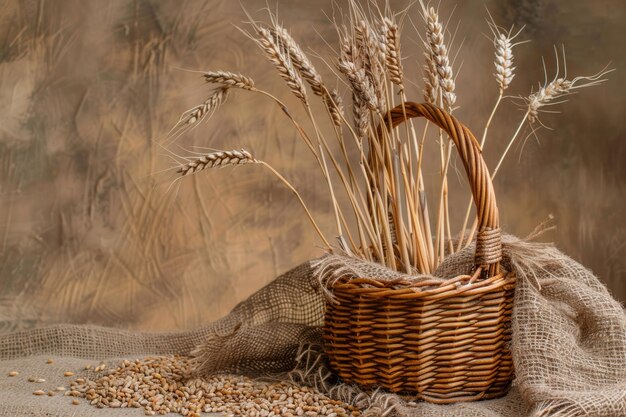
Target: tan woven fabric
(569,344)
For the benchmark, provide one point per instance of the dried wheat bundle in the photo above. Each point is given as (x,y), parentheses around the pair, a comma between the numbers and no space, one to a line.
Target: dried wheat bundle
(387,218)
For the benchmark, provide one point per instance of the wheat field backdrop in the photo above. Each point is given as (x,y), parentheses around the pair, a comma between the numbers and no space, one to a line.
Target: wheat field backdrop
(89,234)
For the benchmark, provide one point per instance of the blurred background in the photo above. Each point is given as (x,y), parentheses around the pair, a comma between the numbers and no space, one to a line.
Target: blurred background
(90,232)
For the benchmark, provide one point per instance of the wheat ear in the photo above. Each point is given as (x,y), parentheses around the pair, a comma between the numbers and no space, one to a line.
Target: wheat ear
(229,79)
(278,56)
(334,103)
(391,42)
(216,99)
(431,81)
(370,51)
(503,45)
(558,88)
(360,84)
(307,71)
(300,61)
(438,52)
(217,159)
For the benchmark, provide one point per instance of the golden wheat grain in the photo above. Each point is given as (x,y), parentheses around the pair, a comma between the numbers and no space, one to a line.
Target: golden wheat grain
(560,87)
(216,99)
(391,42)
(360,83)
(438,51)
(372,57)
(217,159)
(361,117)
(431,81)
(229,79)
(281,60)
(299,60)
(334,103)
(504,61)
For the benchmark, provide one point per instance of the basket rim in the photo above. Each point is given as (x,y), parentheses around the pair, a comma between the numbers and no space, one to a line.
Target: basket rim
(403,288)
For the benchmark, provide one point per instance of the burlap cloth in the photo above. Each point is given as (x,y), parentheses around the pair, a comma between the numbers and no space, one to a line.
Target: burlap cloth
(569,344)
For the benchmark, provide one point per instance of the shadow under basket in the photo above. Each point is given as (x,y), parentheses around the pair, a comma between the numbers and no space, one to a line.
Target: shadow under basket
(441,341)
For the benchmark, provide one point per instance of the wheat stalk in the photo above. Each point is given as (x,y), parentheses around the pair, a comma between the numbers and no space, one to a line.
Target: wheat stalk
(439,64)
(503,45)
(240,157)
(559,87)
(229,79)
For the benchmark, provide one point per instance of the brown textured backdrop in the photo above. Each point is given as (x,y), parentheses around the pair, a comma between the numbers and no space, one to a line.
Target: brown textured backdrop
(89,235)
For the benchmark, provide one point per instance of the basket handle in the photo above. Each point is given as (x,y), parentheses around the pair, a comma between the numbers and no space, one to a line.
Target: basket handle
(488,241)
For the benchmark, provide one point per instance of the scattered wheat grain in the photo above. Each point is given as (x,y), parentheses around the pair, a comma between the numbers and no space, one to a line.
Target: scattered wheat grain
(161,385)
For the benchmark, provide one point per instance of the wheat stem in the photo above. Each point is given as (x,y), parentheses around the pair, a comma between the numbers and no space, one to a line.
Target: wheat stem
(308,213)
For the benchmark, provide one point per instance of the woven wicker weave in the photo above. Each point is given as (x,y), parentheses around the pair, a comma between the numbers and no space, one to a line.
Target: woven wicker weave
(440,341)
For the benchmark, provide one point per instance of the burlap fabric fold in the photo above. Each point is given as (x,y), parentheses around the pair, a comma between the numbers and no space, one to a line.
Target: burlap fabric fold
(569,344)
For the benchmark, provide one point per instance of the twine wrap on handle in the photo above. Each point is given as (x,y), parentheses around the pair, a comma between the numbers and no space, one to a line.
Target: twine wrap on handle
(442,339)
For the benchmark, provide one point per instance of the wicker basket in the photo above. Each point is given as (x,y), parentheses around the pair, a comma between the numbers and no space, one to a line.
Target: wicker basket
(442,344)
